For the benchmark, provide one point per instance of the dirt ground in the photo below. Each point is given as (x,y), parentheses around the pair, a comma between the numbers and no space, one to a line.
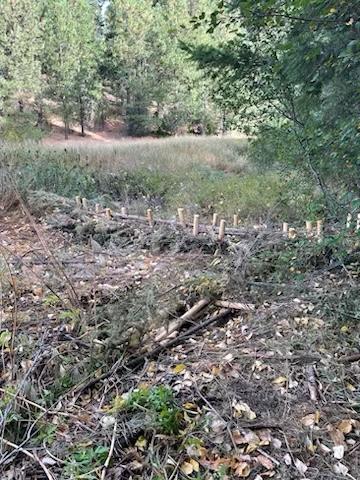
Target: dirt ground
(263,392)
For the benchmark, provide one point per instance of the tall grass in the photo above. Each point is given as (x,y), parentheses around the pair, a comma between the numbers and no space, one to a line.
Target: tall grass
(202,174)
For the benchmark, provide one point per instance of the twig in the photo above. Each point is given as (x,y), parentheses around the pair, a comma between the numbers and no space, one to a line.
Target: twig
(111,451)
(312,384)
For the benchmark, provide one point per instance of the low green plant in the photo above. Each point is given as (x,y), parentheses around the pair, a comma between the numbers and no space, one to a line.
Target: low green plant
(85,463)
(159,402)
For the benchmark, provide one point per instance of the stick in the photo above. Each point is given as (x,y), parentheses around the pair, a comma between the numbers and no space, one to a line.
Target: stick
(97,208)
(358,222)
(285,229)
(236,220)
(84,203)
(350,358)
(348,220)
(312,385)
(222,230)
(181,213)
(108,213)
(78,201)
(196,225)
(111,451)
(124,211)
(150,217)
(308,227)
(179,322)
(319,229)
(215,219)
(248,307)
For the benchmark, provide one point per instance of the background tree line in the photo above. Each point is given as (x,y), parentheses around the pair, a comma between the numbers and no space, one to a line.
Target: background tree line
(89,60)
(290,72)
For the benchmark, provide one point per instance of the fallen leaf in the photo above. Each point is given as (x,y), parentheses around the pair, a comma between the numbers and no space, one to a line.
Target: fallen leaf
(265,462)
(339,451)
(178,368)
(279,380)
(187,468)
(309,445)
(336,435)
(341,469)
(345,426)
(243,410)
(301,467)
(141,443)
(287,459)
(243,470)
(308,420)
(195,465)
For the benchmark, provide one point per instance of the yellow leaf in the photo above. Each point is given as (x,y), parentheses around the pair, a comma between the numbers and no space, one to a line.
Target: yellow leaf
(279,380)
(178,368)
(141,443)
(344,329)
(190,406)
(242,470)
(309,445)
(350,387)
(187,468)
(195,464)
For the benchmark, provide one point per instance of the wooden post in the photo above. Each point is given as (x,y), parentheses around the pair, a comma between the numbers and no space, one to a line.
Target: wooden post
(292,233)
(358,222)
(222,230)
(236,220)
(308,227)
(215,219)
(78,201)
(285,229)
(97,208)
(181,213)
(124,211)
(196,225)
(150,217)
(319,229)
(84,203)
(348,220)
(108,213)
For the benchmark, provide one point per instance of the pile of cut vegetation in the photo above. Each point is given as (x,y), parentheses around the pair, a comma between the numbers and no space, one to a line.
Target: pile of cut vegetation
(140,351)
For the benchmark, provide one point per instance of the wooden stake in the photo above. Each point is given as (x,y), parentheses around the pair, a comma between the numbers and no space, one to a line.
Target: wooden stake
(358,222)
(222,230)
(150,217)
(236,220)
(97,208)
(215,219)
(78,201)
(181,213)
(196,225)
(292,233)
(348,220)
(84,203)
(108,213)
(285,228)
(319,229)
(308,227)
(124,211)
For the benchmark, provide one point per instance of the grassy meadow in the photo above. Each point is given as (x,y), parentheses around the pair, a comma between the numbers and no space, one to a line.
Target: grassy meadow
(202,174)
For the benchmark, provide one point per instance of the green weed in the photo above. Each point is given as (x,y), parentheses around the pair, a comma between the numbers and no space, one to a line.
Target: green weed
(84,463)
(159,402)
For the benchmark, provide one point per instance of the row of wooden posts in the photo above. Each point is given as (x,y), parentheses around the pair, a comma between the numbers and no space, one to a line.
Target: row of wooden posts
(291,233)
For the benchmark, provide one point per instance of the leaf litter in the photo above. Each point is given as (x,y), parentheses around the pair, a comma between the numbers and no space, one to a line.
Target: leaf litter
(233,400)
